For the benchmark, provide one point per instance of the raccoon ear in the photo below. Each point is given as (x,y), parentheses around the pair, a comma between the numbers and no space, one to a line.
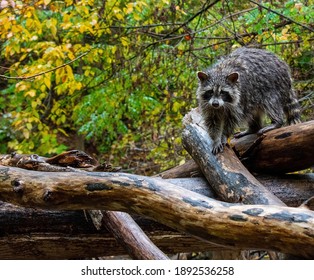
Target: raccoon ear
(233,78)
(202,76)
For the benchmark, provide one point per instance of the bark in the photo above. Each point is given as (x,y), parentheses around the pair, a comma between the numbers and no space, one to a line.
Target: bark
(122,226)
(225,173)
(270,227)
(73,235)
(128,233)
(283,150)
(27,233)
(186,170)
(292,189)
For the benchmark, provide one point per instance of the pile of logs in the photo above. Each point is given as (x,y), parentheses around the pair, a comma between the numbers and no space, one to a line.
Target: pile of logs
(69,206)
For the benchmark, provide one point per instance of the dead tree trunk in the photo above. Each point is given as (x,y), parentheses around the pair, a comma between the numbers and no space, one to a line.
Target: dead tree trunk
(224,172)
(121,225)
(282,150)
(292,189)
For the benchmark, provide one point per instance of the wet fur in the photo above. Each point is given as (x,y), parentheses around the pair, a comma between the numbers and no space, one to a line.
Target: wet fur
(242,87)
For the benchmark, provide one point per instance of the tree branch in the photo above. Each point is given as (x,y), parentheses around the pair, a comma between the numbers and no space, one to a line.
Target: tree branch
(44,72)
(279,14)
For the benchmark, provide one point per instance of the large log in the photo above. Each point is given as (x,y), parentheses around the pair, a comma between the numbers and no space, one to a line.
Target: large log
(283,150)
(224,172)
(121,225)
(73,235)
(27,233)
(292,189)
(284,229)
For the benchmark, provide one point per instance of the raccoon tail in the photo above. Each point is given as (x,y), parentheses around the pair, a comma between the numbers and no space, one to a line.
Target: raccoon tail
(293,110)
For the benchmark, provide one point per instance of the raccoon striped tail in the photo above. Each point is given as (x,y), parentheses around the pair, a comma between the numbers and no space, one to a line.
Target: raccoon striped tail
(293,111)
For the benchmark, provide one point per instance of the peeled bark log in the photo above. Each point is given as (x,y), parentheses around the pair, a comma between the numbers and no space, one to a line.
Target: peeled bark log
(284,229)
(283,150)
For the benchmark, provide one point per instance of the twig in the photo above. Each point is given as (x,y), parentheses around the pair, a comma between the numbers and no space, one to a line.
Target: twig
(45,72)
(178,28)
(193,17)
(279,14)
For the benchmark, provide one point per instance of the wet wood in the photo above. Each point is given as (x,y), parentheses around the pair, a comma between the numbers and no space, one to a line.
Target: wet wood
(292,189)
(27,233)
(122,226)
(270,227)
(131,236)
(283,150)
(225,173)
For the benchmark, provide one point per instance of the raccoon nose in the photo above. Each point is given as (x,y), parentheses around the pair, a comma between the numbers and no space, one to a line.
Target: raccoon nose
(215,104)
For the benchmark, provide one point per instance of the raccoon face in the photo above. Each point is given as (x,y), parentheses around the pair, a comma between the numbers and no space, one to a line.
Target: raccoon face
(218,94)
(216,98)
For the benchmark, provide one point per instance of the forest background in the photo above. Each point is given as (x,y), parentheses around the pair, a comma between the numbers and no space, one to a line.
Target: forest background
(115,78)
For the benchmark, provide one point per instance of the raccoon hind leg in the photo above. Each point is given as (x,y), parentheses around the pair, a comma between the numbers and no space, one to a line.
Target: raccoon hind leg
(276,115)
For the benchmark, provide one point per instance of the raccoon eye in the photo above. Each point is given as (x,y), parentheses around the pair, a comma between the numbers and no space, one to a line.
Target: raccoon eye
(226,96)
(208,94)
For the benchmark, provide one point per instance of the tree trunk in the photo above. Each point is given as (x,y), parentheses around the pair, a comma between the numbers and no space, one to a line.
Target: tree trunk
(27,233)
(292,189)
(121,225)
(283,150)
(225,173)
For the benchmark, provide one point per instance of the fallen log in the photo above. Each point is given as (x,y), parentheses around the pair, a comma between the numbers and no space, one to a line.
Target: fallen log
(121,225)
(268,227)
(283,150)
(128,233)
(27,233)
(225,173)
(292,189)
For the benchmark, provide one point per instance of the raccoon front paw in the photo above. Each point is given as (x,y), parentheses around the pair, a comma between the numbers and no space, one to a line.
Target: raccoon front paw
(217,148)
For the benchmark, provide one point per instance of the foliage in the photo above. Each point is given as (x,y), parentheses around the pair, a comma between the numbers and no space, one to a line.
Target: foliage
(135,81)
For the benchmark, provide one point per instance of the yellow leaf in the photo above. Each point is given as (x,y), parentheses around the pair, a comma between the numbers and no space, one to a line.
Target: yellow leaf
(21,86)
(69,71)
(46,2)
(31,93)
(63,131)
(176,106)
(129,8)
(34,104)
(124,41)
(29,126)
(47,80)
(136,17)
(71,55)
(26,133)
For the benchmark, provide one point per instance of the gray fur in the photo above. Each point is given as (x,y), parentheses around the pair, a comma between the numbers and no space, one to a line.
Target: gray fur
(241,88)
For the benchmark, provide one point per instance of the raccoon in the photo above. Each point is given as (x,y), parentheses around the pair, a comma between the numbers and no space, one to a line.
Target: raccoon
(241,88)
